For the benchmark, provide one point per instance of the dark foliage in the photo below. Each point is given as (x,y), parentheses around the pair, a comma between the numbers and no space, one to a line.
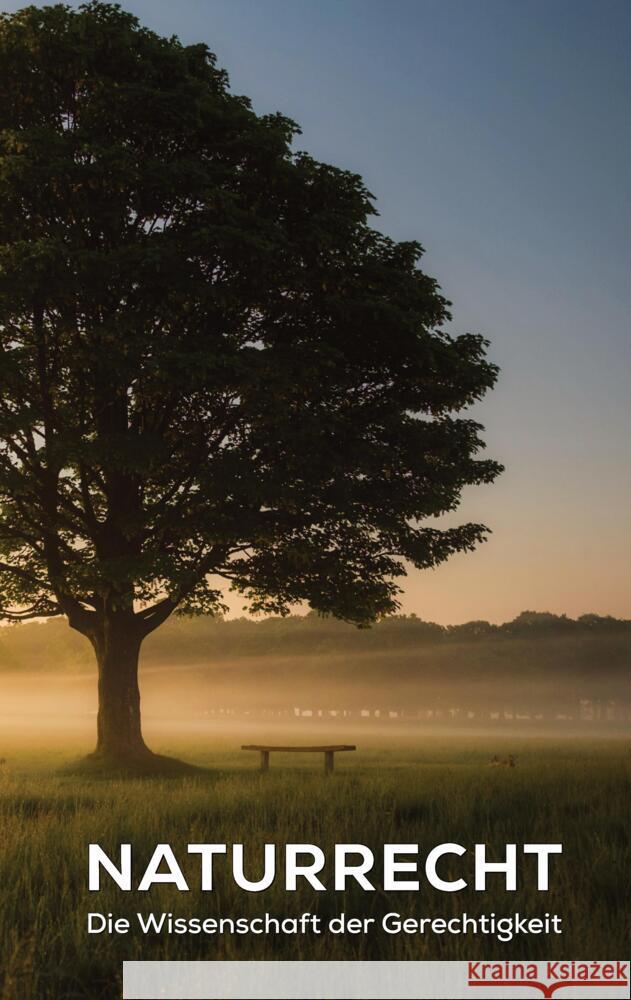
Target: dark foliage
(213,371)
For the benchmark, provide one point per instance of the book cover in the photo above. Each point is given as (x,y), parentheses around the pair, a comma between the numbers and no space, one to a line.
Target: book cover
(314,499)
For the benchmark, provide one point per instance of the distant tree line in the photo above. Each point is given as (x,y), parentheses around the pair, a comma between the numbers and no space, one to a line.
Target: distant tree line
(603,641)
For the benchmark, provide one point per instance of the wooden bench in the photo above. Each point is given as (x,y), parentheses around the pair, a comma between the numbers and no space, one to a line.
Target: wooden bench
(328,751)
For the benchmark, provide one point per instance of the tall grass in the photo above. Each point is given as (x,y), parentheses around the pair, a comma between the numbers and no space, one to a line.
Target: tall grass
(424,792)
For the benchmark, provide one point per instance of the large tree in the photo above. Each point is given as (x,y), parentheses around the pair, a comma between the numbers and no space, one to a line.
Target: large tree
(214,372)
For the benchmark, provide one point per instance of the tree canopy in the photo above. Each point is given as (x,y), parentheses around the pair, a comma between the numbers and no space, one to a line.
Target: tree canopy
(214,371)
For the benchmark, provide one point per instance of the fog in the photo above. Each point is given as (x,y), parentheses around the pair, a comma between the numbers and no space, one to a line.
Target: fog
(206,678)
(351,697)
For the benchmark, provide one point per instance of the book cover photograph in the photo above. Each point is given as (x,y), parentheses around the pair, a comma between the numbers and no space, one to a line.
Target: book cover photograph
(315,599)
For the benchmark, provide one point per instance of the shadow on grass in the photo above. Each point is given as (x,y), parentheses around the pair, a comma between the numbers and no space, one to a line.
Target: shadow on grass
(149,765)
(160,767)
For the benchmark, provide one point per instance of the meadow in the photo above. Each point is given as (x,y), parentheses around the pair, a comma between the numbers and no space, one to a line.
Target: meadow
(419,787)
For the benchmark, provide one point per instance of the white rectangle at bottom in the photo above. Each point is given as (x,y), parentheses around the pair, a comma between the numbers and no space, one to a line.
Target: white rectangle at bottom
(368,981)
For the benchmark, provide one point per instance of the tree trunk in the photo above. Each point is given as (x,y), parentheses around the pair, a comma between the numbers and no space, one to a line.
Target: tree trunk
(119,734)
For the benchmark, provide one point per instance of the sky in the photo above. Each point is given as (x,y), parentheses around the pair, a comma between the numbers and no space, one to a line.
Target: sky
(498,134)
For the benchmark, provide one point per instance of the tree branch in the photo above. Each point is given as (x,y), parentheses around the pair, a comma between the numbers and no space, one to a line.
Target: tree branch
(23,574)
(150,618)
(29,613)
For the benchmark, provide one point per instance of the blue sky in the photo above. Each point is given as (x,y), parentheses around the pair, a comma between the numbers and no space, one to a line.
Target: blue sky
(499,135)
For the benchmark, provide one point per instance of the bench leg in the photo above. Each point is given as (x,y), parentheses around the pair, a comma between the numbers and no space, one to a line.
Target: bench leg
(329,758)
(264,760)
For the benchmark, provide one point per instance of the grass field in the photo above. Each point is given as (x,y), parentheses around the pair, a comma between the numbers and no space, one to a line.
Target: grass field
(418,789)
